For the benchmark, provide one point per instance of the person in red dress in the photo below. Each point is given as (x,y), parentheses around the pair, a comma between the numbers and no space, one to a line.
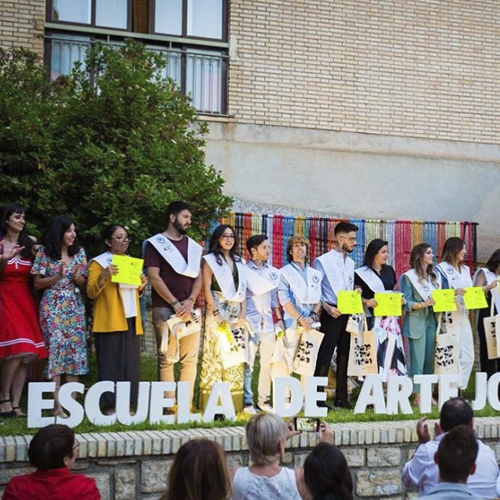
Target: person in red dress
(20,337)
(53,451)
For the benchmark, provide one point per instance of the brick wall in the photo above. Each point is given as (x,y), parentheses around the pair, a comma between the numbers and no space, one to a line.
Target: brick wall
(21,24)
(425,68)
(135,464)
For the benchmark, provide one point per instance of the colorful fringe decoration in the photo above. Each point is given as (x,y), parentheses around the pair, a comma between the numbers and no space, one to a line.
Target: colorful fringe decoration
(401,235)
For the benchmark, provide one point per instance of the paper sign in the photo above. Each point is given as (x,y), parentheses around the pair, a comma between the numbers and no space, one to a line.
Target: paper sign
(129,270)
(445,300)
(349,303)
(389,304)
(474,298)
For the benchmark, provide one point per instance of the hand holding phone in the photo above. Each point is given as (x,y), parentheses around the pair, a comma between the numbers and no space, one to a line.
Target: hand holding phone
(308,424)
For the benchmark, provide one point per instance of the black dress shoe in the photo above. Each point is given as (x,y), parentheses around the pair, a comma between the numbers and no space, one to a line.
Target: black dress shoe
(343,404)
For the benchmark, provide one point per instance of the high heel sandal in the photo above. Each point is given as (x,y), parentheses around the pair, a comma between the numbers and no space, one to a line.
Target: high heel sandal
(7,414)
(19,412)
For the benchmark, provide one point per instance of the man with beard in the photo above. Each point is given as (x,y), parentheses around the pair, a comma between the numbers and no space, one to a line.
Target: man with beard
(173,261)
(337,269)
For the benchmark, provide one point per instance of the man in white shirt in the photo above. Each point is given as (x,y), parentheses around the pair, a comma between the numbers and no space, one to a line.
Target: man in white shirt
(421,472)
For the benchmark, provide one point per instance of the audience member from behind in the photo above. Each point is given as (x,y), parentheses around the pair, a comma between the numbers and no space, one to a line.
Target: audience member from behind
(326,474)
(456,459)
(199,472)
(421,472)
(53,451)
(265,478)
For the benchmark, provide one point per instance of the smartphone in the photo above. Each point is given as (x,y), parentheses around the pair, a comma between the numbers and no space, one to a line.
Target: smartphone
(306,424)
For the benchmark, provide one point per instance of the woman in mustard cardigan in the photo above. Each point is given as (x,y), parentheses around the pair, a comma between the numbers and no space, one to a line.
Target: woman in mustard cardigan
(117,318)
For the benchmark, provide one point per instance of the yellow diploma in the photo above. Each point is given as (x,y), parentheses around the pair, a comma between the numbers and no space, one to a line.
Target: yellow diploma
(445,300)
(349,303)
(129,270)
(474,298)
(389,304)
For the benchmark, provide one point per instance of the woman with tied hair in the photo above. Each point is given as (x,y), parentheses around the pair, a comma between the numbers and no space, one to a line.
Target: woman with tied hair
(20,337)
(224,286)
(419,324)
(487,278)
(53,452)
(266,436)
(199,472)
(326,474)
(117,325)
(59,270)
(456,275)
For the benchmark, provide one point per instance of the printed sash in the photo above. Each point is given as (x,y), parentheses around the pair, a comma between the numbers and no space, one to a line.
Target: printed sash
(264,281)
(171,254)
(490,278)
(456,279)
(339,272)
(224,277)
(424,289)
(371,278)
(127,292)
(307,293)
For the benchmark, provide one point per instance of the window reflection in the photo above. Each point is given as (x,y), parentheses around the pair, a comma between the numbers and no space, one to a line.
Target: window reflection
(76,11)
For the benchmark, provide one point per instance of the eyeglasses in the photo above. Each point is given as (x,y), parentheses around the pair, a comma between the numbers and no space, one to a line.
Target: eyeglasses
(123,238)
(228,236)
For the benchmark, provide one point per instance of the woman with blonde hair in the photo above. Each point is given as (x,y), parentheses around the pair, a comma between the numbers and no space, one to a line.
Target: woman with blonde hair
(419,324)
(265,478)
(199,472)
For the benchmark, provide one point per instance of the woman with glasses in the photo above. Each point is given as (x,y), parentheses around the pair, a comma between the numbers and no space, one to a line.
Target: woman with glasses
(117,318)
(52,452)
(59,270)
(224,285)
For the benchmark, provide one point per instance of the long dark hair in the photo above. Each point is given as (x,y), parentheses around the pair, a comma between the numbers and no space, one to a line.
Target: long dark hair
(24,239)
(494,261)
(53,237)
(326,473)
(199,472)
(452,247)
(215,248)
(416,258)
(372,250)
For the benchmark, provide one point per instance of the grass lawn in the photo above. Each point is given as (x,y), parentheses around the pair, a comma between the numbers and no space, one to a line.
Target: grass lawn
(17,426)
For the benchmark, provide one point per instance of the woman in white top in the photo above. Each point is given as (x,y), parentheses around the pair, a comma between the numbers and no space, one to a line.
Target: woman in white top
(265,478)
(456,275)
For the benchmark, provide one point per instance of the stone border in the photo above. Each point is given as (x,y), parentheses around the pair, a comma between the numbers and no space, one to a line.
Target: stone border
(141,443)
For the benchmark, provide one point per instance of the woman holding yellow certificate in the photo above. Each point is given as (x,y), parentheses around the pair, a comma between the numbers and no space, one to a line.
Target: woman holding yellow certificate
(117,317)
(456,275)
(376,276)
(419,324)
(487,277)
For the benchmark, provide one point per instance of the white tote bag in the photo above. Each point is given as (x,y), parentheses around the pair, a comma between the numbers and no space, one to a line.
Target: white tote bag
(491,327)
(232,345)
(363,353)
(306,355)
(447,353)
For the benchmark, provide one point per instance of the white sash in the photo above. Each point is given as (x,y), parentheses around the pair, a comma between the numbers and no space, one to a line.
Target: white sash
(224,277)
(371,278)
(171,254)
(264,281)
(339,271)
(307,293)
(424,289)
(127,292)
(490,278)
(456,279)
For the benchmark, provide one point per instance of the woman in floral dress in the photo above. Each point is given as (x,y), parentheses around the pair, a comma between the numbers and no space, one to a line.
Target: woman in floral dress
(224,285)
(59,270)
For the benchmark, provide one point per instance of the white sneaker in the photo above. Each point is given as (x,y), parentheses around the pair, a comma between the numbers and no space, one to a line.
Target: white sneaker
(249,410)
(266,407)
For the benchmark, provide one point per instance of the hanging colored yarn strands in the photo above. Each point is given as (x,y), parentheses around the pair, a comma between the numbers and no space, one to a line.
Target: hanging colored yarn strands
(401,236)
